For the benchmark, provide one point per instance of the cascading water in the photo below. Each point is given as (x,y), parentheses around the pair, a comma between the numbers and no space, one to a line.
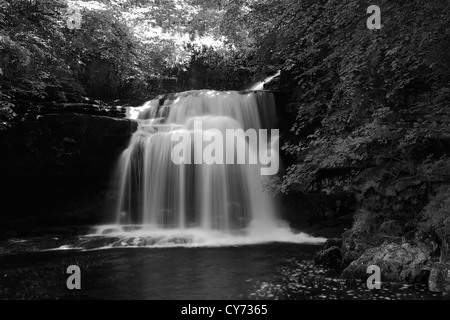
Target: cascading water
(260,85)
(161,202)
(157,192)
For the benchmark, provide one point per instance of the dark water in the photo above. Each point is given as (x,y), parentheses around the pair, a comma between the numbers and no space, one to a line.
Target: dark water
(168,273)
(269,271)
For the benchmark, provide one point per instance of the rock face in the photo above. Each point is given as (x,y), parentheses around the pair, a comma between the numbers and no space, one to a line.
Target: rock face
(404,262)
(59,161)
(59,144)
(32,110)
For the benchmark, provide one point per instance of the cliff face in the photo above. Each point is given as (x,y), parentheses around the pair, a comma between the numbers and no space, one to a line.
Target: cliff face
(57,168)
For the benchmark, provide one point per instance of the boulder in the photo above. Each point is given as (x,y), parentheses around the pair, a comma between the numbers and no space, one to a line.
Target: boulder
(348,258)
(333,242)
(329,258)
(404,262)
(358,268)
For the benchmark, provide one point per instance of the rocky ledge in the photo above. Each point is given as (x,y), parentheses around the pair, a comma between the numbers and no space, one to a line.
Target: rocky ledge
(399,261)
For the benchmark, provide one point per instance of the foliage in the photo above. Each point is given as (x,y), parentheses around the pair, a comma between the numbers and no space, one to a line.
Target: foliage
(130,47)
(363,97)
(30,48)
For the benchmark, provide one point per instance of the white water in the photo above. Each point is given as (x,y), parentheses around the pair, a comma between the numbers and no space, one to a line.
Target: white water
(196,205)
(260,85)
(151,237)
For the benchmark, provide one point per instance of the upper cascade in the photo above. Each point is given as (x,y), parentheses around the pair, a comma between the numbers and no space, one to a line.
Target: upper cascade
(252,109)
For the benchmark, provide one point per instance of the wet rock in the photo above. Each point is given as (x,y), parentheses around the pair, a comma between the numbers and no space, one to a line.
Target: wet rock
(334,242)
(391,228)
(358,268)
(403,262)
(439,280)
(329,258)
(348,258)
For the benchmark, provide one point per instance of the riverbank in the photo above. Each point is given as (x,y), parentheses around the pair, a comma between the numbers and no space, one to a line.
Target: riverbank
(264,272)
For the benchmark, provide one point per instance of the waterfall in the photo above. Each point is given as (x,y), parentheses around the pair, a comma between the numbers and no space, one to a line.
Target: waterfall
(163,202)
(229,198)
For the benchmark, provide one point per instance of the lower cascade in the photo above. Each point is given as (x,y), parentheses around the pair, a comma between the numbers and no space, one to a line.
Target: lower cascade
(169,201)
